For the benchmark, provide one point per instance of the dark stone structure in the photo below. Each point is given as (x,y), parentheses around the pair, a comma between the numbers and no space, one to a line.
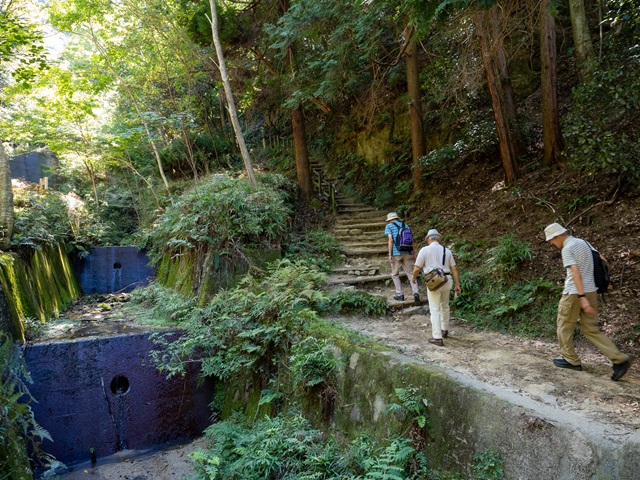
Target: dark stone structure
(105,394)
(113,269)
(31,166)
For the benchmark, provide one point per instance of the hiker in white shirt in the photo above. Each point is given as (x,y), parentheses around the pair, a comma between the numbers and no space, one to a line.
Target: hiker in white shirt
(434,255)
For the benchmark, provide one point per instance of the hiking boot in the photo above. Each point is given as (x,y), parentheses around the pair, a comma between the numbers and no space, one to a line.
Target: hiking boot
(445,333)
(416,299)
(436,341)
(399,298)
(619,369)
(562,363)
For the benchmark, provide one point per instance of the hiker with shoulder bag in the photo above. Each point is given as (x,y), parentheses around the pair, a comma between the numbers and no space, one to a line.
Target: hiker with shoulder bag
(587,275)
(438,266)
(400,245)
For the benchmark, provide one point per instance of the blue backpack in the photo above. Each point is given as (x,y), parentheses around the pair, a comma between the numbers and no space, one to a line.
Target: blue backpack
(404,239)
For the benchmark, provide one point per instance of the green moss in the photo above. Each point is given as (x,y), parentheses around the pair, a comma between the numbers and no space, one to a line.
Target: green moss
(178,272)
(218,271)
(39,286)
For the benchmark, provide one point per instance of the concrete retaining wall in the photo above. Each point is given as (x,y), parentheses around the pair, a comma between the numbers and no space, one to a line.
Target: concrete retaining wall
(467,417)
(113,269)
(104,394)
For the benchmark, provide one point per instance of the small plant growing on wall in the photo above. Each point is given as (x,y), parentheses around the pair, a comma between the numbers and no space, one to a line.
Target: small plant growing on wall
(18,427)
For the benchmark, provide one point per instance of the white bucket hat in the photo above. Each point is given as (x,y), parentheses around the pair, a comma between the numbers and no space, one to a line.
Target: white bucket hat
(553,230)
(433,233)
(392,216)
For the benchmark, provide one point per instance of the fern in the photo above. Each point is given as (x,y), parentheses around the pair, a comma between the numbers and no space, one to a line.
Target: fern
(18,427)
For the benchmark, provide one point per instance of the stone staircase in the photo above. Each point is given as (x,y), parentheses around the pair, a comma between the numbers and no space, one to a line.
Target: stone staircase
(360,230)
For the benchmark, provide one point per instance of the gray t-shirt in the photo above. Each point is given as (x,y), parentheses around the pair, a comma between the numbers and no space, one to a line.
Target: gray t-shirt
(576,251)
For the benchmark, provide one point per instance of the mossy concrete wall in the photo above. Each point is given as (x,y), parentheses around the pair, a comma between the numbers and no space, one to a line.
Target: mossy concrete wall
(202,274)
(466,418)
(36,284)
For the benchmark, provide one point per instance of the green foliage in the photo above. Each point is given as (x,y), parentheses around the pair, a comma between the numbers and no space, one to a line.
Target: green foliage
(356,302)
(313,362)
(18,426)
(315,246)
(508,255)
(248,329)
(488,465)
(22,53)
(162,305)
(578,202)
(224,214)
(47,217)
(287,447)
(438,159)
(524,308)
(379,185)
(411,403)
(33,328)
(600,130)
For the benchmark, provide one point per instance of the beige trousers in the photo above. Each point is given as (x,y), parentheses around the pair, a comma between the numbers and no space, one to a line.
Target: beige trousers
(406,261)
(569,312)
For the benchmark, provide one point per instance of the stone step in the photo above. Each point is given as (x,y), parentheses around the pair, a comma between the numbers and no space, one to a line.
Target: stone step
(355,240)
(362,268)
(360,244)
(364,252)
(361,226)
(359,229)
(357,207)
(348,220)
(343,280)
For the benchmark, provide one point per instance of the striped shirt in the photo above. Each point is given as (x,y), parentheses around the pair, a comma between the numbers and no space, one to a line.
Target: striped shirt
(576,251)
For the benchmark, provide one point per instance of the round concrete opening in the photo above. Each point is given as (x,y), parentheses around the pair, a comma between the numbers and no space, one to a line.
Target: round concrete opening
(119,385)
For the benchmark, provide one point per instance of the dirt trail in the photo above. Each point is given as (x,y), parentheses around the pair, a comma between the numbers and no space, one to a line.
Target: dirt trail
(514,364)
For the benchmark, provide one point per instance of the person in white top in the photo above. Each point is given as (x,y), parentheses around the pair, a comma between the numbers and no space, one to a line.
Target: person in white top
(434,255)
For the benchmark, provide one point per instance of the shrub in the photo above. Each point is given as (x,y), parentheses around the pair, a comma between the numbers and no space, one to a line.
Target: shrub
(354,301)
(315,246)
(48,217)
(288,447)
(601,130)
(250,328)
(508,255)
(223,213)
(18,426)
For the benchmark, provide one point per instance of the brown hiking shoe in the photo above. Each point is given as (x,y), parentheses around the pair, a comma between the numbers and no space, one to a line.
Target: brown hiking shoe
(436,341)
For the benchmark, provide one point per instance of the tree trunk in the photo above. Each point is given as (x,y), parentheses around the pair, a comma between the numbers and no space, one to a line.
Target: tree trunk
(303,168)
(231,105)
(415,112)
(505,79)
(585,53)
(507,150)
(551,134)
(6,201)
(301,151)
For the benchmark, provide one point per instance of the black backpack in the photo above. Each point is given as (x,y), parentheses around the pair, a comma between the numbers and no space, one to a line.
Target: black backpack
(601,273)
(404,239)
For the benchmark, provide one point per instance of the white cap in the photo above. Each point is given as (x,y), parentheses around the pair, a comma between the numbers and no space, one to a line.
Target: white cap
(553,230)
(392,216)
(433,233)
